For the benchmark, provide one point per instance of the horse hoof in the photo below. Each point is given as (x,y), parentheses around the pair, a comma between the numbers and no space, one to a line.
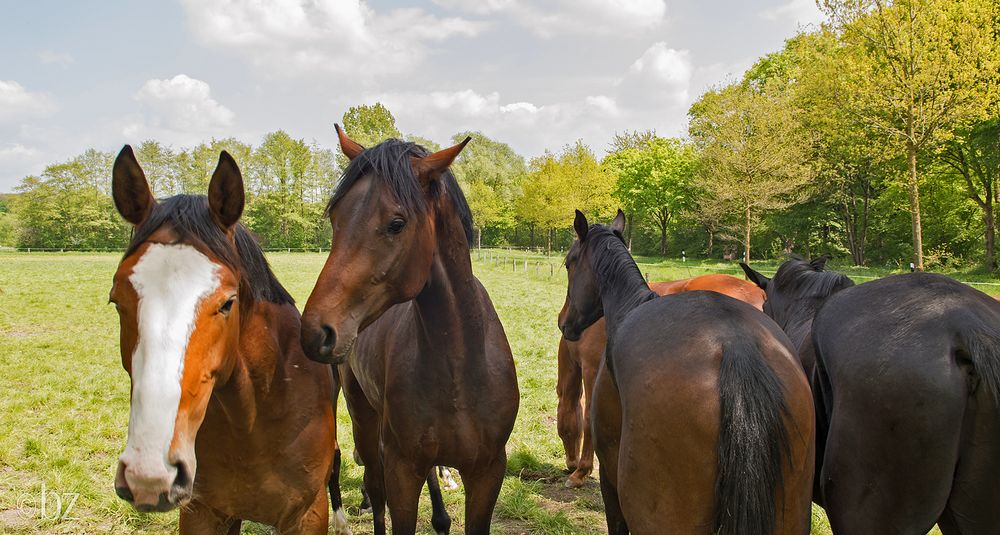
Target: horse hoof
(340,524)
(574,482)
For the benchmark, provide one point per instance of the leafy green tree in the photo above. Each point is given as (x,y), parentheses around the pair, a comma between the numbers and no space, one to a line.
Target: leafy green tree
(557,185)
(654,180)
(196,165)
(752,157)
(162,168)
(916,68)
(974,155)
(490,173)
(369,126)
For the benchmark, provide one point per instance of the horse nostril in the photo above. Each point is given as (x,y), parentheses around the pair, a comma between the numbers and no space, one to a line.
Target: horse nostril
(124,493)
(183,478)
(329,339)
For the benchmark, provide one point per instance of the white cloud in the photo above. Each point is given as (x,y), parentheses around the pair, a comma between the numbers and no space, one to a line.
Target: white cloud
(301,36)
(16,102)
(18,152)
(803,12)
(180,109)
(558,17)
(661,75)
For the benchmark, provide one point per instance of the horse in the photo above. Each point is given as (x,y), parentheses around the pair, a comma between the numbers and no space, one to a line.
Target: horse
(579,362)
(228,418)
(907,389)
(797,291)
(702,416)
(429,377)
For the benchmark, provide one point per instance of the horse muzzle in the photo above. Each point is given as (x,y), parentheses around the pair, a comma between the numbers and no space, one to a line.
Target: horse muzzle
(154,490)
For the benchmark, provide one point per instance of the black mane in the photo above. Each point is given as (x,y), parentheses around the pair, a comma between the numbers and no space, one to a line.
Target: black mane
(613,265)
(190,219)
(389,162)
(800,279)
(796,293)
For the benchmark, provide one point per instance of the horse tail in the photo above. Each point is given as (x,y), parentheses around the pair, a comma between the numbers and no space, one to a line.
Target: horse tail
(753,440)
(981,345)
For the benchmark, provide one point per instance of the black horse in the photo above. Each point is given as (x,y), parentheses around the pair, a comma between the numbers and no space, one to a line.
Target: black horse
(907,386)
(794,295)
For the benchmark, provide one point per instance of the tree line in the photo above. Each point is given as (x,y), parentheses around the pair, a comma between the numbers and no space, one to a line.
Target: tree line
(874,137)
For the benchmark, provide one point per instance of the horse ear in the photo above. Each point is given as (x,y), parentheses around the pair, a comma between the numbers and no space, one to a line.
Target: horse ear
(581,226)
(819,263)
(618,224)
(129,188)
(755,277)
(225,192)
(431,166)
(348,146)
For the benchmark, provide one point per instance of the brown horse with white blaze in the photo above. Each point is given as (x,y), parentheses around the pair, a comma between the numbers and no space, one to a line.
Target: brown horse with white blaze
(429,376)
(580,361)
(229,420)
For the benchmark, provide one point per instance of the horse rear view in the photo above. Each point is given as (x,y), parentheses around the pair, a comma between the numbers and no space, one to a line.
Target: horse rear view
(703,418)
(908,376)
(579,362)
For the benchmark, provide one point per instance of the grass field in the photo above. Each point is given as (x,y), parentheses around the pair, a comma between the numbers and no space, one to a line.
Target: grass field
(64,396)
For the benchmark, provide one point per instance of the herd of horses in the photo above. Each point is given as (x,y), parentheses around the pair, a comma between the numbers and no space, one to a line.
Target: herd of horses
(714,405)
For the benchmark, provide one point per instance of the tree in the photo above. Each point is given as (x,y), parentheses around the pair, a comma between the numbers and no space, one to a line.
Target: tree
(557,185)
(161,166)
(974,155)
(196,165)
(284,210)
(752,157)
(369,126)
(490,173)
(654,180)
(915,70)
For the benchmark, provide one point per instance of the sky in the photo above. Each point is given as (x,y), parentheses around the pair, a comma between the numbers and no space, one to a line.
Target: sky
(535,74)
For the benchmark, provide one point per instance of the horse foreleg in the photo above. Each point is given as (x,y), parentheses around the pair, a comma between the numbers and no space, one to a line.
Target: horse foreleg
(612,507)
(439,516)
(569,415)
(403,483)
(198,518)
(586,464)
(340,525)
(313,521)
(482,488)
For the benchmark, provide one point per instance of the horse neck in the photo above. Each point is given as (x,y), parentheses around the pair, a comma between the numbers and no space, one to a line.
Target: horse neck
(449,310)
(258,365)
(621,283)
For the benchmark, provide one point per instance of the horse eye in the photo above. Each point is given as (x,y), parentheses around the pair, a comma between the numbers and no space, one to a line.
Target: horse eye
(227,306)
(396,225)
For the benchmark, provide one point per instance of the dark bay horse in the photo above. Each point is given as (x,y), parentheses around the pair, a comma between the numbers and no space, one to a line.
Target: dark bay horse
(907,387)
(429,377)
(229,419)
(703,419)
(579,362)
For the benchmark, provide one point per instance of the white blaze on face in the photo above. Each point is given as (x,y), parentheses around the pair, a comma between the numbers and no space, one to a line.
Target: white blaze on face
(170,282)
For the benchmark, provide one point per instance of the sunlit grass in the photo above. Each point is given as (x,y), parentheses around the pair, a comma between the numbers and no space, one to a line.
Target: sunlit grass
(64,396)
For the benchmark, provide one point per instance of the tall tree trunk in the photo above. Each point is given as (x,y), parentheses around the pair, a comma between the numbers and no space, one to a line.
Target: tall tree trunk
(746,241)
(479,237)
(918,240)
(711,242)
(990,224)
(531,231)
(629,221)
(548,242)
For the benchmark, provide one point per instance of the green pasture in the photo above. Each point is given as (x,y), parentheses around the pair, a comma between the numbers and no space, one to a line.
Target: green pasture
(64,396)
